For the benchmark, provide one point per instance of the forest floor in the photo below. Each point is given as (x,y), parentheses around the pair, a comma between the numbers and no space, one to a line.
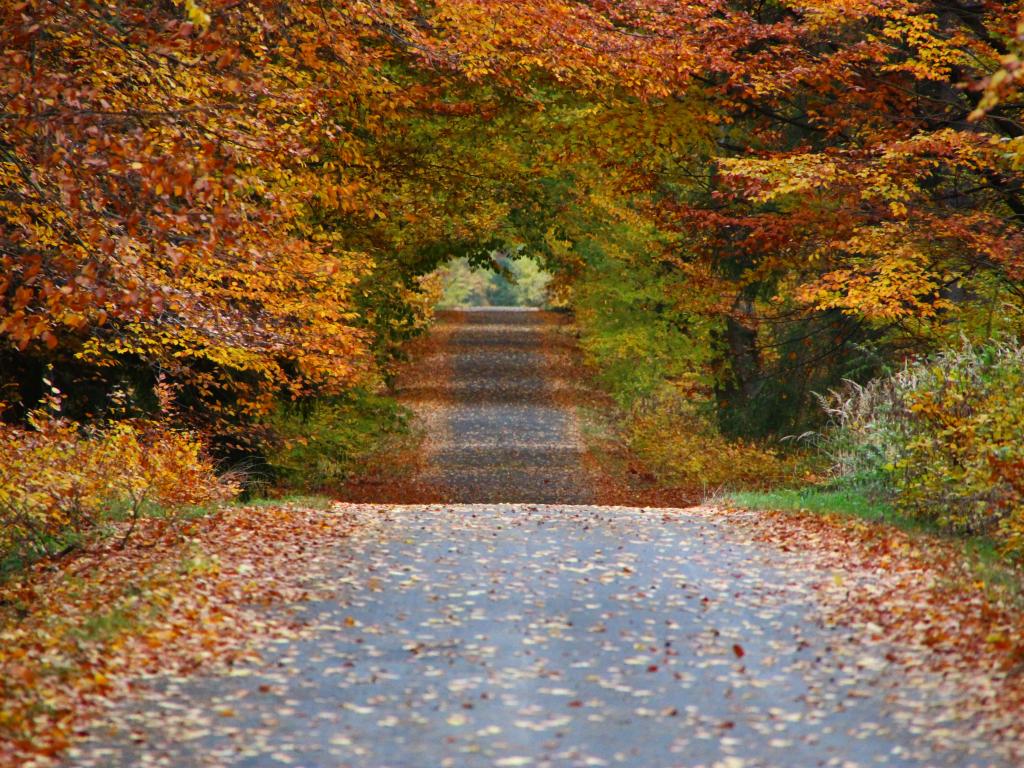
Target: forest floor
(512,596)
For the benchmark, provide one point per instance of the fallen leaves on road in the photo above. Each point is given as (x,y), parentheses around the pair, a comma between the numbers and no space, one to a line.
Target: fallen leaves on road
(714,630)
(477,635)
(74,632)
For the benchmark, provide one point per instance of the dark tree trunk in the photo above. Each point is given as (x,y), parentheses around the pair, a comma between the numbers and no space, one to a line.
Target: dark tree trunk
(744,357)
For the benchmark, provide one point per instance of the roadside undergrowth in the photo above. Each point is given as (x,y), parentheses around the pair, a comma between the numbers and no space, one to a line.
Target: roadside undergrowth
(326,444)
(655,448)
(181,594)
(657,383)
(393,472)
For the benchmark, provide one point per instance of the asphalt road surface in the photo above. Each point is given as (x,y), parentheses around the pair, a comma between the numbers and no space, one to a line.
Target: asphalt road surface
(545,630)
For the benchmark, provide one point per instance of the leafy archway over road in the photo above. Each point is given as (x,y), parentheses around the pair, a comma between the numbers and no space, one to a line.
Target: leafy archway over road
(239,197)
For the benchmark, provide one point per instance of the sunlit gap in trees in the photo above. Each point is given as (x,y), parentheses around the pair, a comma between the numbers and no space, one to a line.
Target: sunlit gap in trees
(511,280)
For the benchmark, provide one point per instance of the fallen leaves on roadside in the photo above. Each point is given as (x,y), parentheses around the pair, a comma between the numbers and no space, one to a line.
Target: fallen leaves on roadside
(74,632)
(918,596)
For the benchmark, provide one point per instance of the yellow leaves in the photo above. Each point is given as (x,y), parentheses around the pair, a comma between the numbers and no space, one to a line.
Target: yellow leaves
(682,447)
(54,475)
(196,15)
(893,278)
(1002,83)
(829,14)
(778,177)
(960,460)
(937,51)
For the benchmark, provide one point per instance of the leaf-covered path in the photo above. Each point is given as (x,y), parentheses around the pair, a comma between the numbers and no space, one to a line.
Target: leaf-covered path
(575,635)
(561,636)
(494,391)
(507,432)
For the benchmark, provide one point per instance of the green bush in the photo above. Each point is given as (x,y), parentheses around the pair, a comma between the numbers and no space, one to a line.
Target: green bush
(655,359)
(945,436)
(631,326)
(322,443)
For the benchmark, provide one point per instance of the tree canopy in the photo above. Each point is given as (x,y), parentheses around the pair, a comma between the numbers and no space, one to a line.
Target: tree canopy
(237,199)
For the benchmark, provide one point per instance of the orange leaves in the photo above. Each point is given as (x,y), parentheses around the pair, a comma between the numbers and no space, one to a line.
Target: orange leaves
(934,606)
(75,631)
(159,186)
(648,48)
(891,275)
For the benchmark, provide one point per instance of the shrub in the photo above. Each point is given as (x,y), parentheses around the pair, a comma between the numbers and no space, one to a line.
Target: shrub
(323,442)
(866,431)
(946,435)
(60,481)
(683,447)
(965,456)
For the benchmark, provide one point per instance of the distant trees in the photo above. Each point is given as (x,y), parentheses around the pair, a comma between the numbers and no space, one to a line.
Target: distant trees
(519,283)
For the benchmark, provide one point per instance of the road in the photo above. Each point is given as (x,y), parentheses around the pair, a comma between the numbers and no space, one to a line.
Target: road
(506,431)
(527,626)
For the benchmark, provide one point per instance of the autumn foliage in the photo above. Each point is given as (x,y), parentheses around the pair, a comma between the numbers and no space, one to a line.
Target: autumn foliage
(215,217)
(62,482)
(240,199)
(165,200)
(172,599)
